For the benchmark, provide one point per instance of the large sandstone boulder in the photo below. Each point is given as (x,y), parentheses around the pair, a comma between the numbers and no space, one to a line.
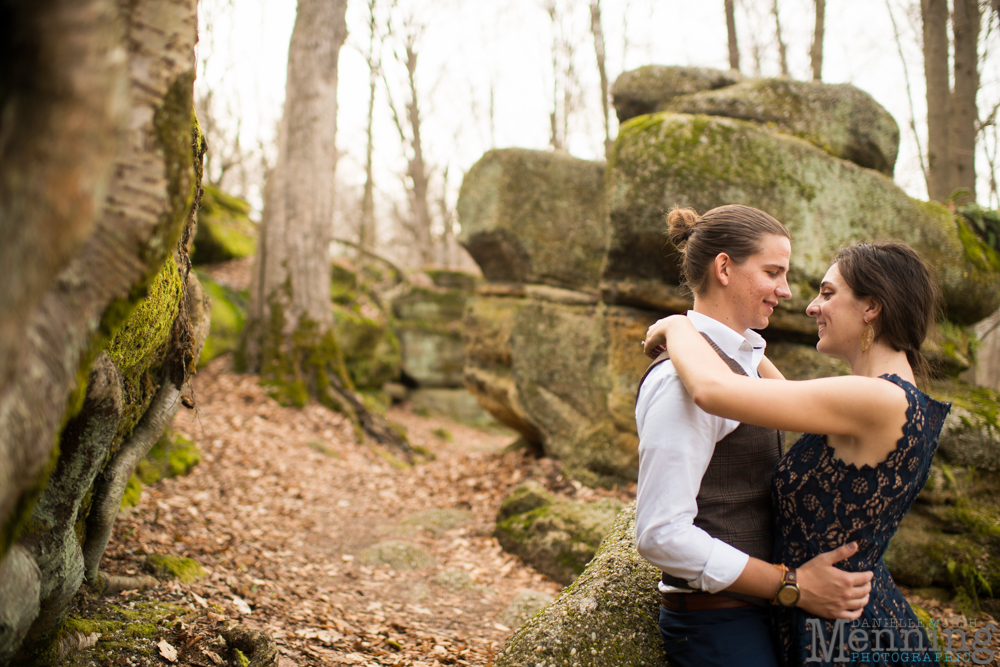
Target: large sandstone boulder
(562,371)
(535,217)
(608,616)
(700,161)
(648,89)
(840,119)
(429,324)
(556,536)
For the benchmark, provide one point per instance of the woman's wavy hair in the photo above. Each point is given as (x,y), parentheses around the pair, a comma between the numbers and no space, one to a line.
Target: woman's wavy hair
(896,276)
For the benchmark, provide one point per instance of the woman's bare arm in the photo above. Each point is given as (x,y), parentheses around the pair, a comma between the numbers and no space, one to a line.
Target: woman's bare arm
(849,405)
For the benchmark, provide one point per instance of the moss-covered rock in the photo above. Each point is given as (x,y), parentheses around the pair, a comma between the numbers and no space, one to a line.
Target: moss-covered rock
(458,404)
(527,497)
(648,89)
(439,521)
(229,314)
(168,566)
(840,119)
(452,279)
(486,330)
(576,401)
(971,433)
(535,217)
(581,396)
(702,161)
(951,537)
(557,538)
(398,555)
(608,616)
(372,352)
(429,325)
(525,604)
(803,362)
(225,231)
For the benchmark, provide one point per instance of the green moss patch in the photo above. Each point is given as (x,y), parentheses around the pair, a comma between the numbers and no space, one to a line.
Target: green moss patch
(172,455)
(225,231)
(185,570)
(229,308)
(559,537)
(125,631)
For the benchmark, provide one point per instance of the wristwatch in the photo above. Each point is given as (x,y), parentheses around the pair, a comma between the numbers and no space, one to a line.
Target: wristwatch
(788,591)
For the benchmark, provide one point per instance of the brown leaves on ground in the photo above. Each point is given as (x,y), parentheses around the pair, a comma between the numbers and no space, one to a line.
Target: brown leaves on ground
(284,503)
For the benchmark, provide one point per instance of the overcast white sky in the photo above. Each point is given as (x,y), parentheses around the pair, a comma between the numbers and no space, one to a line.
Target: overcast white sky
(471,46)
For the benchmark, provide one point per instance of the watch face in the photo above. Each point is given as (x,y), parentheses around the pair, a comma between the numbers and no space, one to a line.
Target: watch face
(788,595)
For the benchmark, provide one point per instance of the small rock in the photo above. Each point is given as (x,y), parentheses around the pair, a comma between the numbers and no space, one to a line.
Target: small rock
(398,555)
(525,604)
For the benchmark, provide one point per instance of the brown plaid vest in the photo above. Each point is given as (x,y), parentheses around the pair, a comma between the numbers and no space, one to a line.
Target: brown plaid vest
(734,501)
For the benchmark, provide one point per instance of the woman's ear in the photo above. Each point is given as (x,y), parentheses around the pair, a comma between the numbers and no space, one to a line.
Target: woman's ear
(722,266)
(872,309)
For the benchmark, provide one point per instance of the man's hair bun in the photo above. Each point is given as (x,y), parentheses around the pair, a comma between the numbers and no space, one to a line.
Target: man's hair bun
(680,224)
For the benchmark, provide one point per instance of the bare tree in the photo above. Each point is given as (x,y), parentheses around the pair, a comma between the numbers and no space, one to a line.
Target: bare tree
(964,112)
(934,15)
(816,52)
(782,47)
(598,31)
(289,335)
(909,92)
(734,49)
(417,219)
(366,232)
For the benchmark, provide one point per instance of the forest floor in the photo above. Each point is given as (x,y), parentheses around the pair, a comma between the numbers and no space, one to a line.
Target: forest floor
(283,505)
(281,510)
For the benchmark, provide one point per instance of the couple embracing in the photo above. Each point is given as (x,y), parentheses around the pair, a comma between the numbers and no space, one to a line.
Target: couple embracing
(772,557)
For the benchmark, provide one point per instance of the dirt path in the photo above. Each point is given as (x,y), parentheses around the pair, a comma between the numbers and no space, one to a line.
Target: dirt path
(282,508)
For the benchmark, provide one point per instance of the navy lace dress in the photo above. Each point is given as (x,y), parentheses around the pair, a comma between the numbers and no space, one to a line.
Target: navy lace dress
(821,503)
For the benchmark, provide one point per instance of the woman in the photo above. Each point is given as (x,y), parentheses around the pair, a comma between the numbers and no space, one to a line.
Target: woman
(855,482)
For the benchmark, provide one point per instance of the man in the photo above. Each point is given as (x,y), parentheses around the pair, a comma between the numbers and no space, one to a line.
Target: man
(703,511)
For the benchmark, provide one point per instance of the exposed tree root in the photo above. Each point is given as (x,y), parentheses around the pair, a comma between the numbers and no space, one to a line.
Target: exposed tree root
(257,647)
(373,425)
(110,485)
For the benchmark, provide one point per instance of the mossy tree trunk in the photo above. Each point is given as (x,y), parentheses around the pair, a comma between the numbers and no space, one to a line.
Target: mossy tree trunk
(99,174)
(289,337)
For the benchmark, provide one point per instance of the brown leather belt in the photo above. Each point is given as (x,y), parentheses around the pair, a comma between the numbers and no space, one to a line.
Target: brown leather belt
(683,602)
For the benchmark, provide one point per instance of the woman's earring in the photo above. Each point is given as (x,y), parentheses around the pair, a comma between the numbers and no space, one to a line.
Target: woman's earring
(867,337)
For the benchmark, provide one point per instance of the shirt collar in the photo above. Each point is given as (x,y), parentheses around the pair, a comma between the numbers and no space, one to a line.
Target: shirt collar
(728,340)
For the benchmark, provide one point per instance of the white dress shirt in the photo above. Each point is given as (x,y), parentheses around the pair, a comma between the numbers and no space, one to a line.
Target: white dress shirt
(676,443)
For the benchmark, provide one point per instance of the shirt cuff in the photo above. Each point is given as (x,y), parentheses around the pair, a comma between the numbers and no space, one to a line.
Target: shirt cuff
(724,566)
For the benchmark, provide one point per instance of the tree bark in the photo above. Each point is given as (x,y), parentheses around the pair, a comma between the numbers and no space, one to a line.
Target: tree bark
(964,111)
(934,15)
(366,236)
(816,53)
(96,185)
(417,168)
(598,30)
(734,49)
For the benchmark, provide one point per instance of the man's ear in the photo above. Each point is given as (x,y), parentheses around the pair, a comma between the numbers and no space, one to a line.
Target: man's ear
(723,266)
